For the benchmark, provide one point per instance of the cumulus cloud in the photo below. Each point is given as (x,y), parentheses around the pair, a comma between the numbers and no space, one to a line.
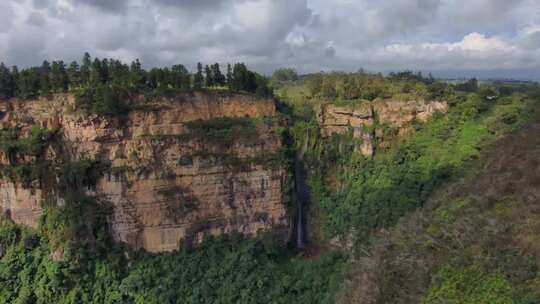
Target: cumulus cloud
(310,35)
(474,51)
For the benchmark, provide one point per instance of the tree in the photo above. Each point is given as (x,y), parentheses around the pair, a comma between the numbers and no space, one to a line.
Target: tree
(14,80)
(95,72)
(6,83)
(470,86)
(229,76)
(136,75)
(28,83)
(262,90)
(198,78)
(314,84)
(437,90)
(106,101)
(209,77)
(280,76)
(155,78)
(243,79)
(74,75)
(328,88)
(218,78)
(239,77)
(59,78)
(85,68)
(104,72)
(180,77)
(45,78)
(118,73)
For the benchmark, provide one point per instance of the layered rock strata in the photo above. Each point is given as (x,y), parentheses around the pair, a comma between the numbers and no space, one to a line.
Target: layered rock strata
(373,123)
(166,186)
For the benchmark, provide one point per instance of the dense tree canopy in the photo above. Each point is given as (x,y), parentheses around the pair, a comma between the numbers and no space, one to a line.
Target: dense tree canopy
(283,75)
(57,77)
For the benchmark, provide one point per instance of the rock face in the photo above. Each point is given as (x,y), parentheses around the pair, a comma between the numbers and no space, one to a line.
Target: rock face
(376,121)
(166,186)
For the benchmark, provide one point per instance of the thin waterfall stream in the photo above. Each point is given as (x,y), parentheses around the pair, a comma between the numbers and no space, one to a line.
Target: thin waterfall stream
(302,194)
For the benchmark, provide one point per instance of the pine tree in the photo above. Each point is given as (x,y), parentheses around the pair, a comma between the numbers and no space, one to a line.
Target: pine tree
(95,72)
(59,78)
(218,78)
(136,75)
(198,78)
(45,78)
(209,77)
(154,78)
(6,82)
(85,68)
(74,75)
(118,73)
(229,76)
(180,77)
(14,80)
(104,71)
(28,83)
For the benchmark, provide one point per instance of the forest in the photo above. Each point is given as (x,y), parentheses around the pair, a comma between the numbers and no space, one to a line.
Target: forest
(102,83)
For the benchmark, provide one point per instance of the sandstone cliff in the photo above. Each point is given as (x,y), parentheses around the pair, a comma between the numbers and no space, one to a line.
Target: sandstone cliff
(166,181)
(374,123)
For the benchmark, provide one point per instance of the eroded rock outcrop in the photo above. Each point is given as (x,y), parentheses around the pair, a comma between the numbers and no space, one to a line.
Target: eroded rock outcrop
(166,185)
(373,123)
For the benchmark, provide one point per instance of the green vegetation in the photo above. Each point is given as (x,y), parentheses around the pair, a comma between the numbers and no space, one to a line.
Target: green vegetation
(283,76)
(104,87)
(474,241)
(24,154)
(383,189)
(77,228)
(233,270)
(353,193)
(223,131)
(268,160)
(471,285)
(367,86)
(102,100)
(14,146)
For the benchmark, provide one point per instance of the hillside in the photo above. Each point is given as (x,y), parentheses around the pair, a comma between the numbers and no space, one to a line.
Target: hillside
(475,241)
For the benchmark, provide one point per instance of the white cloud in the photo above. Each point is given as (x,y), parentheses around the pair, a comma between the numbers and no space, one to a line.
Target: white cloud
(308,34)
(474,51)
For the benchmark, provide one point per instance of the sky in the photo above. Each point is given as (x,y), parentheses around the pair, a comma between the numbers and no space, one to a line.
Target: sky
(450,38)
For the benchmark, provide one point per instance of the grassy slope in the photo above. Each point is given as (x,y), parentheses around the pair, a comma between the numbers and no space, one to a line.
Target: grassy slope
(476,240)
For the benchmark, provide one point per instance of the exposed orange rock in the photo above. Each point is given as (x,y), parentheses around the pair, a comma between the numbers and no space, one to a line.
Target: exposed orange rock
(360,117)
(164,190)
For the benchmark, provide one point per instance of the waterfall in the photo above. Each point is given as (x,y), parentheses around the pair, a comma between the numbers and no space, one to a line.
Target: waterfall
(302,193)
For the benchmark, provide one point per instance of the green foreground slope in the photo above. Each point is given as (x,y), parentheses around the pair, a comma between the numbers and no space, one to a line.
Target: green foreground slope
(476,240)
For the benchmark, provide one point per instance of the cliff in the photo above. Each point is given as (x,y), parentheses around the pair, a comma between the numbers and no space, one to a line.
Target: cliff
(374,123)
(176,169)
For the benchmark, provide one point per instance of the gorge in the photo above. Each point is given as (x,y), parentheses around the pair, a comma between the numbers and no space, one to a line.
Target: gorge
(151,187)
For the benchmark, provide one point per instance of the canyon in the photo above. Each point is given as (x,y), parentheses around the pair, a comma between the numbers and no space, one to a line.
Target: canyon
(179,169)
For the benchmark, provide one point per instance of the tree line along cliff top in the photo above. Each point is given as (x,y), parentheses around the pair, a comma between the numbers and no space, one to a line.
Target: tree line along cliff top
(102,83)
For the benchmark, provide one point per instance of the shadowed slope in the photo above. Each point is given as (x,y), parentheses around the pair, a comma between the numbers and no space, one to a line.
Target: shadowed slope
(476,240)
